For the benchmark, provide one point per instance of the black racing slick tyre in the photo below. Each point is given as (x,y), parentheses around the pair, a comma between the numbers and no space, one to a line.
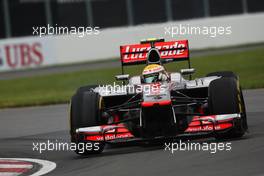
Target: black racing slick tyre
(225,74)
(87,88)
(85,111)
(230,74)
(225,97)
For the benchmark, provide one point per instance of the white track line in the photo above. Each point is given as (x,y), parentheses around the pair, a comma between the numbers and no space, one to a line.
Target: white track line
(46,166)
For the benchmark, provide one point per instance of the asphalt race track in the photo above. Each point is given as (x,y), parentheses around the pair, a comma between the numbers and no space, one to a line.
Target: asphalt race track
(20,127)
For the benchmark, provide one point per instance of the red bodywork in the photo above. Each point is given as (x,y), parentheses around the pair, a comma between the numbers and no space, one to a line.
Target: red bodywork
(157,103)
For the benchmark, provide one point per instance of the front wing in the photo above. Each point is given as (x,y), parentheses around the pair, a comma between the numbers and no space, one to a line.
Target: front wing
(200,124)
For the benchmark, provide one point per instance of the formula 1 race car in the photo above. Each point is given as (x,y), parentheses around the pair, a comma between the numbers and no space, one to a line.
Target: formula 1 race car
(157,104)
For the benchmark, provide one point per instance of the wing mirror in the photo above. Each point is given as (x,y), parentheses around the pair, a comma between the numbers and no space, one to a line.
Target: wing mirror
(187,71)
(122,77)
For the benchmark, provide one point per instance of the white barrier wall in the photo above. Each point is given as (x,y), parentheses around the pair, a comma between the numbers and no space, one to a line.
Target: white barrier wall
(31,52)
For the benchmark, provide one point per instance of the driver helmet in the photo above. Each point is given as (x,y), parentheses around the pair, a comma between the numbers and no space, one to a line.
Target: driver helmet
(154,73)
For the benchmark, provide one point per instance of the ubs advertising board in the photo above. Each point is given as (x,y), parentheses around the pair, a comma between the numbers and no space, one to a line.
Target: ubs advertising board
(26,53)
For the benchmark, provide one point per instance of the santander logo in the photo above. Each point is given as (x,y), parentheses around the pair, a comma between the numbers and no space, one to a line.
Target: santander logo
(167,49)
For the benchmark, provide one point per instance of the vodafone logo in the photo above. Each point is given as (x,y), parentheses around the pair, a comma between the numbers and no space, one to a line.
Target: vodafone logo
(167,50)
(204,128)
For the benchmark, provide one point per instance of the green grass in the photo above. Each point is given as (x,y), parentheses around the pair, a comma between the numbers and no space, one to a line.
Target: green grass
(58,88)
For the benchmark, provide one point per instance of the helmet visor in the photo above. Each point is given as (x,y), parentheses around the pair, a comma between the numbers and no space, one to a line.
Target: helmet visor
(151,78)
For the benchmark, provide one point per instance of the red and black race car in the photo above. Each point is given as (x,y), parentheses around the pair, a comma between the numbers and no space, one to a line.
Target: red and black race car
(157,104)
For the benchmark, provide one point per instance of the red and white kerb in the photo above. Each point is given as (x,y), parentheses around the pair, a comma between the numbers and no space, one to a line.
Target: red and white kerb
(14,167)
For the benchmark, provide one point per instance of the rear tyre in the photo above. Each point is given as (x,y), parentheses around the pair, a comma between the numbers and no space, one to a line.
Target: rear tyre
(225,97)
(85,112)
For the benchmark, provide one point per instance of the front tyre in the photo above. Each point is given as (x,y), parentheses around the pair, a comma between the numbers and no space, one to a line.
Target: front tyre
(85,111)
(225,97)
(224,74)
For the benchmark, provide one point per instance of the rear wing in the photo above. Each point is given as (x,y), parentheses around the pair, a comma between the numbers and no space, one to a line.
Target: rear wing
(169,51)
